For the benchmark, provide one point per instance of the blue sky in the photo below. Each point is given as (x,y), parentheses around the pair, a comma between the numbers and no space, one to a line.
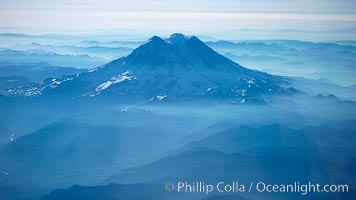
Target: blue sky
(191,16)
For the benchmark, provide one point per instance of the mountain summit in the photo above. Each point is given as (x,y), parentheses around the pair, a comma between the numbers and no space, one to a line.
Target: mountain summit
(179,50)
(179,67)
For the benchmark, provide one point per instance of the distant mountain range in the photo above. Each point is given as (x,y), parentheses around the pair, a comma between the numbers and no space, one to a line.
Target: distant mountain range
(313,60)
(94,51)
(270,153)
(37,72)
(36,56)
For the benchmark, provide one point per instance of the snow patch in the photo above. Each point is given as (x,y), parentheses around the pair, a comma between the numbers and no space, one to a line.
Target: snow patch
(148,100)
(159,97)
(148,109)
(34,91)
(114,80)
(56,82)
(92,70)
(250,82)
(126,109)
(37,89)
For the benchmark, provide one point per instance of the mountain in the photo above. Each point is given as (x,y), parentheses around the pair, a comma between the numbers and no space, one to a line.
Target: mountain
(177,68)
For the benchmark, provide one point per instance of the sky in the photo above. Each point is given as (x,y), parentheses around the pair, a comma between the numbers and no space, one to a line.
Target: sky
(332,18)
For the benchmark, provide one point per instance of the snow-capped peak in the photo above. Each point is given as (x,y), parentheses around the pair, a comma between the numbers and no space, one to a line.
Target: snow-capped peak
(177,38)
